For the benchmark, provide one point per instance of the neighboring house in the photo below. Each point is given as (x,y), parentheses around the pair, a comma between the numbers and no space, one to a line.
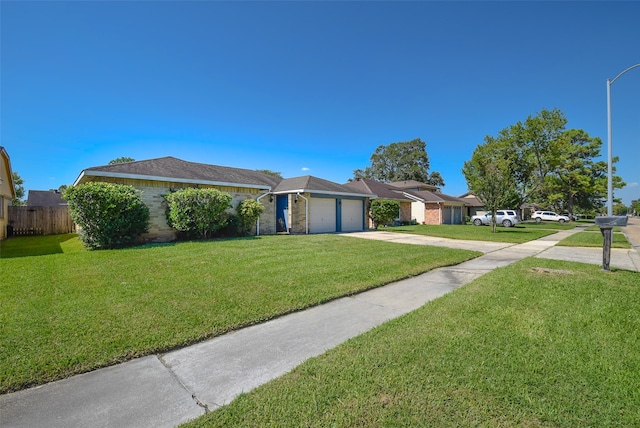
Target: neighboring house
(413,185)
(45,198)
(7,190)
(295,205)
(474,206)
(384,191)
(431,207)
(418,201)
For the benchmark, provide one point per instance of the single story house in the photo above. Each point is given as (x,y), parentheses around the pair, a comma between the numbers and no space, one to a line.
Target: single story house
(474,206)
(294,205)
(45,198)
(384,191)
(7,191)
(430,207)
(415,186)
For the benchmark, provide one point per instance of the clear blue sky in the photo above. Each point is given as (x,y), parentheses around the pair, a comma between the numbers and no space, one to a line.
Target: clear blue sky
(306,88)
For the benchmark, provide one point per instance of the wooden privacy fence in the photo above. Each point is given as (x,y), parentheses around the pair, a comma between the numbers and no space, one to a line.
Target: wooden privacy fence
(39,221)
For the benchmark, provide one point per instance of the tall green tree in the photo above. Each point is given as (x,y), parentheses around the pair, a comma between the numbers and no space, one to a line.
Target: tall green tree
(122,159)
(575,178)
(407,160)
(552,165)
(270,172)
(19,188)
(489,177)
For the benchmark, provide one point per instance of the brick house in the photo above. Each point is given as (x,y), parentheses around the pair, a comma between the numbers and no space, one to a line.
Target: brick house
(294,205)
(384,191)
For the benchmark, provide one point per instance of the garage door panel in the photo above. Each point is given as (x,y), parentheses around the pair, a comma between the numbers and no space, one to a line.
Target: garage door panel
(323,215)
(352,215)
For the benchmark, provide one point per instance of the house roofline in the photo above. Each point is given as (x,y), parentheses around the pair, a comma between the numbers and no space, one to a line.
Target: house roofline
(325,192)
(86,173)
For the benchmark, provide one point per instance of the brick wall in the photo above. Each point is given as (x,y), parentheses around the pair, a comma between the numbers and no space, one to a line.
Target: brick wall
(431,214)
(297,213)
(153,196)
(405,211)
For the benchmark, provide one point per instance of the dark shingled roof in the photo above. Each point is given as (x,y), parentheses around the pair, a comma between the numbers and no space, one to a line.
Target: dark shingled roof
(312,184)
(428,196)
(383,190)
(168,168)
(45,198)
(413,184)
(471,200)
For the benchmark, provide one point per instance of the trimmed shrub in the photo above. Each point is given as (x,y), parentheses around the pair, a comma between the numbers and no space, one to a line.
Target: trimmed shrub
(198,211)
(384,211)
(249,211)
(110,215)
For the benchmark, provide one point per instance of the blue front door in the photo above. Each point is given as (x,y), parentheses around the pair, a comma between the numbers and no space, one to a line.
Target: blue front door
(282,205)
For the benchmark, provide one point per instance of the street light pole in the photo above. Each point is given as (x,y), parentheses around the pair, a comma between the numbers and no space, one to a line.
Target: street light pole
(609,144)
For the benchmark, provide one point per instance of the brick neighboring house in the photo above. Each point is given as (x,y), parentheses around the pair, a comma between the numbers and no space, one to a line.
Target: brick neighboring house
(7,191)
(384,191)
(295,205)
(436,208)
(429,205)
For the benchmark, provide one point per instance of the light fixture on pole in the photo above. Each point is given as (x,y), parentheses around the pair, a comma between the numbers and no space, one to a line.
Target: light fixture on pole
(609,157)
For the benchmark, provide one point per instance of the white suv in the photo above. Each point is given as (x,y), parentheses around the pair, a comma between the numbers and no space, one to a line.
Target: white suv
(507,218)
(538,216)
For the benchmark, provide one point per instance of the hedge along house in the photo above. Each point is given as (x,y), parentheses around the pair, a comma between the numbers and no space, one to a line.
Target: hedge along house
(384,191)
(157,177)
(313,205)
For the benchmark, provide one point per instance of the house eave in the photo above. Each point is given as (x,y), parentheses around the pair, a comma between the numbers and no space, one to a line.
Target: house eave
(325,192)
(169,179)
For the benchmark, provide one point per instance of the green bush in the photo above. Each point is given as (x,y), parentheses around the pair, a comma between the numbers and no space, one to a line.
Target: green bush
(249,211)
(383,211)
(198,211)
(110,215)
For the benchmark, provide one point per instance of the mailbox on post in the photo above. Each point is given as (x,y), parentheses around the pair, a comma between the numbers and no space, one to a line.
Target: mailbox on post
(606,224)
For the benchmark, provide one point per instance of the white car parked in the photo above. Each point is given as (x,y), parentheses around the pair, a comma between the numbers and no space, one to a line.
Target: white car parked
(507,218)
(538,216)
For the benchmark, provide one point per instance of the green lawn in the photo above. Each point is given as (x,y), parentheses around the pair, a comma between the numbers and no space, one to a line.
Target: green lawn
(594,239)
(74,310)
(515,235)
(540,343)
(40,245)
(554,225)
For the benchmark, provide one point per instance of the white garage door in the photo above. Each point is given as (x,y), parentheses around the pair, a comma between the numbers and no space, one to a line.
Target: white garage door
(322,213)
(352,213)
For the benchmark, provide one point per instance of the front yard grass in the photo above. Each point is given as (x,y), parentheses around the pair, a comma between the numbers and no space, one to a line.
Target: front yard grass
(75,310)
(537,343)
(555,225)
(516,235)
(594,239)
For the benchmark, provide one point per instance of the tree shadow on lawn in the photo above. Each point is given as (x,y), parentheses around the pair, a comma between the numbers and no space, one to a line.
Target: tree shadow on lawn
(27,246)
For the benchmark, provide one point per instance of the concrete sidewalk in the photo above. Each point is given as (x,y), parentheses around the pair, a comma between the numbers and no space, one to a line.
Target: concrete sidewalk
(166,390)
